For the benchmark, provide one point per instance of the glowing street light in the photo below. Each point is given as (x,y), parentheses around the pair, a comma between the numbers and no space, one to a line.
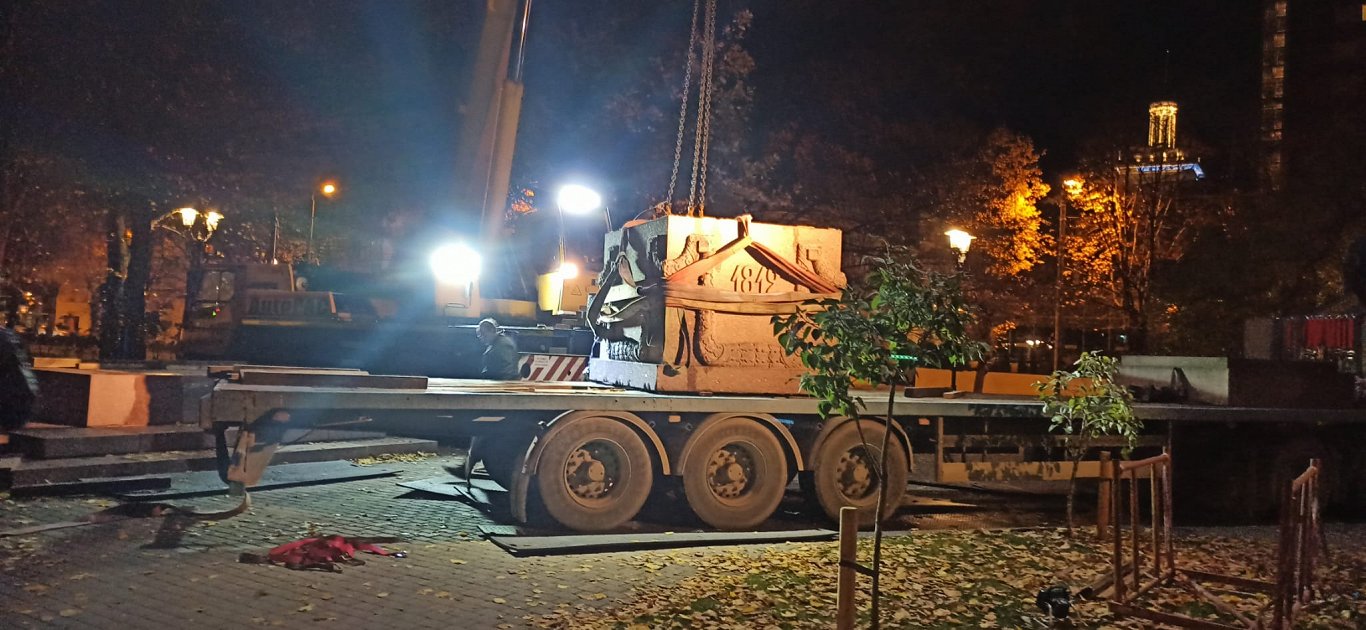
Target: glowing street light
(328,189)
(578,199)
(960,242)
(1072,185)
(196,246)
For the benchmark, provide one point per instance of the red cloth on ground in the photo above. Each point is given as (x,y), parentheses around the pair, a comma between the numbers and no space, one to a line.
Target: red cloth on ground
(321,553)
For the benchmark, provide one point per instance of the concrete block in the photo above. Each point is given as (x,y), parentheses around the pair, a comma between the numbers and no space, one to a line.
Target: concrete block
(109,398)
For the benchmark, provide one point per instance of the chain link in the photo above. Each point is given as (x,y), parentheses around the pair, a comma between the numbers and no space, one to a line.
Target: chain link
(683,109)
(704,96)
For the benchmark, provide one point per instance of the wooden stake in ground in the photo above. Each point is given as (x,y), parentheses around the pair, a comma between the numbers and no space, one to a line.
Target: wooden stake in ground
(844,608)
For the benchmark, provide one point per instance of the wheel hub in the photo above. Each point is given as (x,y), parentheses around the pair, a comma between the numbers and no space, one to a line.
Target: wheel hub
(592,470)
(729,471)
(854,473)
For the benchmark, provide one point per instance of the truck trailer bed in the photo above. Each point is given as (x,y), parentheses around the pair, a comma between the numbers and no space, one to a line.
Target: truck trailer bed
(235,403)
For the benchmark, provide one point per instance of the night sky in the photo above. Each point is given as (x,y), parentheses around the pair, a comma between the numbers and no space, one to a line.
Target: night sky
(370,91)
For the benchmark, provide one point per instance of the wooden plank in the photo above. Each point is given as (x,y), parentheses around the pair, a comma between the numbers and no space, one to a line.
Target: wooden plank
(963,472)
(1180,621)
(298,379)
(1260,586)
(220,371)
(1011,440)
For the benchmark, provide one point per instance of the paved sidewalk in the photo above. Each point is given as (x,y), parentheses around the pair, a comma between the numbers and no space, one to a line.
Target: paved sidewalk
(150,573)
(170,573)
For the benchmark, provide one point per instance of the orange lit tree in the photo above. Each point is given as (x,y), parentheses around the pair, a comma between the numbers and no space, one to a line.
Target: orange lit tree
(1121,230)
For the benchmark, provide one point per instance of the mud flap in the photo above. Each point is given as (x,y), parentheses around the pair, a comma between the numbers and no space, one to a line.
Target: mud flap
(256,445)
(521,482)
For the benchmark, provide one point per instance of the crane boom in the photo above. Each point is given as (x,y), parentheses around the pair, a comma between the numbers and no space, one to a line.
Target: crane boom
(492,110)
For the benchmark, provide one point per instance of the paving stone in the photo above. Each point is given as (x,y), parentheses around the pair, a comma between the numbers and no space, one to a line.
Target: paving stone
(150,574)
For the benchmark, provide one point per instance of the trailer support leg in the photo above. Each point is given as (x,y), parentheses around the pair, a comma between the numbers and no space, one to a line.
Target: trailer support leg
(256,445)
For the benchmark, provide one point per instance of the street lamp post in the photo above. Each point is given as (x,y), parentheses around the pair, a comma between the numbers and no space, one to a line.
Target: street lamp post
(196,240)
(960,242)
(328,189)
(1071,186)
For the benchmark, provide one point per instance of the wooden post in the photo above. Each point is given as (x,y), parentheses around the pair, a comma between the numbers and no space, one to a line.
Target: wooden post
(1167,517)
(844,608)
(1118,559)
(1154,507)
(939,449)
(1133,526)
(1103,498)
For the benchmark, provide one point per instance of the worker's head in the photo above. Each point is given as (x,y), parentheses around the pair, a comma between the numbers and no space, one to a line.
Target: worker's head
(488,330)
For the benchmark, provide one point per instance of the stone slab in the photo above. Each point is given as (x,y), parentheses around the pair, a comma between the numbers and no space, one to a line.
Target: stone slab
(605,543)
(36,476)
(207,483)
(65,442)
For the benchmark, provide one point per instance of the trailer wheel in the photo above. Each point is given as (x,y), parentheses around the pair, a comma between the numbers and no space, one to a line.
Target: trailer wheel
(594,474)
(734,474)
(844,475)
(502,457)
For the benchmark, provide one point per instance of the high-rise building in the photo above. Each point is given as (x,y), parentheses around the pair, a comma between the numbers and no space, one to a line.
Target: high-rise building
(1313,91)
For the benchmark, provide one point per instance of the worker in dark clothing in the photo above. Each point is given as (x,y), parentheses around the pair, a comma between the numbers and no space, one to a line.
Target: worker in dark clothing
(500,355)
(18,387)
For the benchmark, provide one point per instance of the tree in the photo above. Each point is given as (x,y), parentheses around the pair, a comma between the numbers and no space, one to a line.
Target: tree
(994,193)
(1097,406)
(897,318)
(999,198)
(137,111)
(1124,226)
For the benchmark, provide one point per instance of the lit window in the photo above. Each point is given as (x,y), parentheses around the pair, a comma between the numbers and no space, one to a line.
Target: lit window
(1363,12)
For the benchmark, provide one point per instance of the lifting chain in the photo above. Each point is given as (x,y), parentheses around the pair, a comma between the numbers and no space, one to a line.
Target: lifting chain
(697,201)
(697,189)
(683,108)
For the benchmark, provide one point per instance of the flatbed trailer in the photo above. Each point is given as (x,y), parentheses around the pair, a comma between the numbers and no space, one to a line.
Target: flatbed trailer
(588,455)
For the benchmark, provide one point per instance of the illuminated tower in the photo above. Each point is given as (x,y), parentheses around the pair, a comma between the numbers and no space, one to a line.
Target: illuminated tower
(1162,124)
(1161,157)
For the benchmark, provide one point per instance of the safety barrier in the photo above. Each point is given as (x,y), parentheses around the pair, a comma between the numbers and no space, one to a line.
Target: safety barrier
(1300,541)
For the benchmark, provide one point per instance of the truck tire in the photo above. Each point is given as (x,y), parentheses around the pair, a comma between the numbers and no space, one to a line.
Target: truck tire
(502,457)
(734,474)
(844,474)
(594,474)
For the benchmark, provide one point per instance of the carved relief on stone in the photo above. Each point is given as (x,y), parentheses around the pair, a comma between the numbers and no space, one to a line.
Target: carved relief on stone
(695,248)
(813,259)
(711,350)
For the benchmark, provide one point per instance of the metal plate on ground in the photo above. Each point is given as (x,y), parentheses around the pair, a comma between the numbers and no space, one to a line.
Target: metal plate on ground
(207,483)
(483,493)
(604,543)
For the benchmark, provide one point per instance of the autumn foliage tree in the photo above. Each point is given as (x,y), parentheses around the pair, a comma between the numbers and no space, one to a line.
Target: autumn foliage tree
(1004,189)
(1122,228)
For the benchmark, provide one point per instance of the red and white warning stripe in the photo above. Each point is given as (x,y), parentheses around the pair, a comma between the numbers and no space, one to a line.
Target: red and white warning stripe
(553,367)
